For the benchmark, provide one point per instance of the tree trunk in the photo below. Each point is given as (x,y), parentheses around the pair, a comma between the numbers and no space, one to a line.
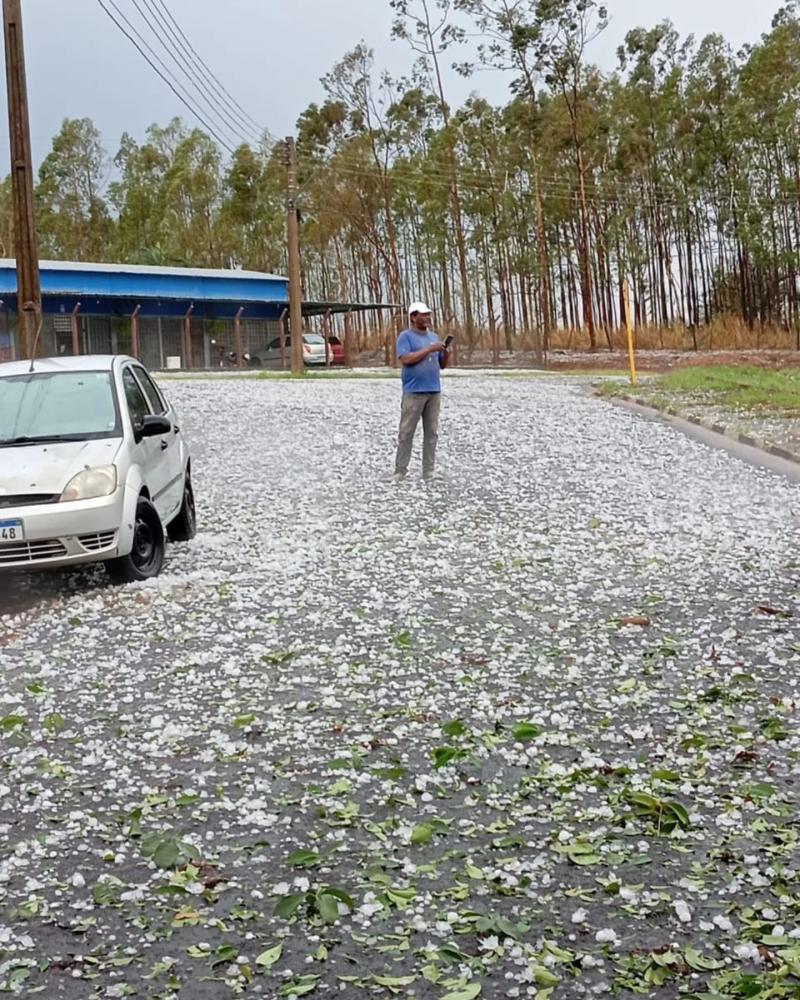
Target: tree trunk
(585,265)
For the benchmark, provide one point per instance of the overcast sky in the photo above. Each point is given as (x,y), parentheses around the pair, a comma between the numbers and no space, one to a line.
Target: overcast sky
(270,54)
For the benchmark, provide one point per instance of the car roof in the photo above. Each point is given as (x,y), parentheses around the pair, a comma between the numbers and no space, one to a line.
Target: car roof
(68,363)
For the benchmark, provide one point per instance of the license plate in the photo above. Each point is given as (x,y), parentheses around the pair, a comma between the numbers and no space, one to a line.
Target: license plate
(11,531)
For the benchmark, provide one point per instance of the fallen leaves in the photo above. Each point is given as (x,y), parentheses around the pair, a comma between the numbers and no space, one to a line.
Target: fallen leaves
(468,992)
(331,760)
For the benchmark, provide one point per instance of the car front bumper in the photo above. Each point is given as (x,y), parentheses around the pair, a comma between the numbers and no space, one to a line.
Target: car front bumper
(67,534)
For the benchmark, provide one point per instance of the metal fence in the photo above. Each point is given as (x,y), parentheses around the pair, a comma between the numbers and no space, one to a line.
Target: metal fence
(161,340)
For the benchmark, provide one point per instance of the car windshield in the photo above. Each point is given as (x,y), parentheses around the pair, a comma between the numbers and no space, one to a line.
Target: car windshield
(57,406)
(313,338)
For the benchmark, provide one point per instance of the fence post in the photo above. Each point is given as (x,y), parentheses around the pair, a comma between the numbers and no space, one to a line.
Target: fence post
(395,329)
(348,339)
(282,322)
(7,330)
(386,333)
(76,345)
(135,332)
(326,326)
(237,330)
(187,336)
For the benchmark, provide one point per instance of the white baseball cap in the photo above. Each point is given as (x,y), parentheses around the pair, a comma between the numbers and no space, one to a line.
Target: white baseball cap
(418,307)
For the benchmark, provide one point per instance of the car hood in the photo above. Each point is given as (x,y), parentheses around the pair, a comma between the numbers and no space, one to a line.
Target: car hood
(47,468)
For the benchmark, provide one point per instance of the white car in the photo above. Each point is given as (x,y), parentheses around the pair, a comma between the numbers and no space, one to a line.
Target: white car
(315,353)
(93,467)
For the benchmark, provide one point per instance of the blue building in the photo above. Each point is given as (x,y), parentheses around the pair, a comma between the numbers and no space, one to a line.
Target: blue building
(168,317)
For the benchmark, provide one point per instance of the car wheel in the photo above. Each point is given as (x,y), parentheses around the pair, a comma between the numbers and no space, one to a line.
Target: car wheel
(184,527)
(146,558)
(255,362)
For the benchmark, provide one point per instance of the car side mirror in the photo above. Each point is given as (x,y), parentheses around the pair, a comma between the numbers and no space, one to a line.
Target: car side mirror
(151,426)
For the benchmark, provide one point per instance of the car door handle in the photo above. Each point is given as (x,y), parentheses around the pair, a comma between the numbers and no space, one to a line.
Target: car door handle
(164,446)
(176,429)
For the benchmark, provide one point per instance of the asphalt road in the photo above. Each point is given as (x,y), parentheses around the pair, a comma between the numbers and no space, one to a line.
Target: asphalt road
(532,729)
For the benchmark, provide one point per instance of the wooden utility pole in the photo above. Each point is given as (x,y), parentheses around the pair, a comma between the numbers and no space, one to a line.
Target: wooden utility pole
(293,242)
(29,293)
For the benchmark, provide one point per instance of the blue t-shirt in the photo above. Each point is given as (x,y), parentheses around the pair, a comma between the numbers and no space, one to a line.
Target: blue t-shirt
(425,376)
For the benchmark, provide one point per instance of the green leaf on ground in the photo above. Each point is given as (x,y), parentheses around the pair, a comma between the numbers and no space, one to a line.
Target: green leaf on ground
(287,906)
(469,992)
(422,834)
(394,982)
(328,906)
(303,859)
(442,756)
(269,957)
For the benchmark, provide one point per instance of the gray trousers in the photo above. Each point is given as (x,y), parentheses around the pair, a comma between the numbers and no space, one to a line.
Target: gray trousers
(416,405)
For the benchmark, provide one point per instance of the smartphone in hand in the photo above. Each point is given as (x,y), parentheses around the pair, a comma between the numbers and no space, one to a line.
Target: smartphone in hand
(449,340)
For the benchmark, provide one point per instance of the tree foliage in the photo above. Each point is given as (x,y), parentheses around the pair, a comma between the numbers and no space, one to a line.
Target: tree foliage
(679,171)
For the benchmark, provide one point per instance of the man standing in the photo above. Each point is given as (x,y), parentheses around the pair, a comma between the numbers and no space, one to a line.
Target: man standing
(423,356)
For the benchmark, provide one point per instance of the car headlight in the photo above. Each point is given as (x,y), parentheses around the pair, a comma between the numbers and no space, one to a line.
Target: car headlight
(90,484)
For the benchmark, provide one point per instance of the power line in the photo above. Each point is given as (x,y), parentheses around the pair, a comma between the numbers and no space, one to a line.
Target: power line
(214,81)
(177,47)
(352,164)
(164,73)
(484,183)
(651,193)
(220,114)
(599,191)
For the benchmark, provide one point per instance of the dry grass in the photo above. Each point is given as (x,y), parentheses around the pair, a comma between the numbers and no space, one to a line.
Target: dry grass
(723,334)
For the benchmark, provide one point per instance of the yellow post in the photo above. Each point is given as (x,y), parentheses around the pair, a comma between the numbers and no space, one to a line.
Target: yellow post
(629,325)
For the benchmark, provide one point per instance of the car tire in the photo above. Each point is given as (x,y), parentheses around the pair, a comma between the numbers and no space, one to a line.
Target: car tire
(255,362)
(183,527)
(146,558)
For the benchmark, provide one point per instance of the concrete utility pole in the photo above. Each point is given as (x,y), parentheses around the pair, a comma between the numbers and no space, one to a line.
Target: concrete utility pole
(295,277)
(29,293)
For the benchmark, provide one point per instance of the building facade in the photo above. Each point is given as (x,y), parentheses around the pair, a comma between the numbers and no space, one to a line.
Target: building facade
(167,317)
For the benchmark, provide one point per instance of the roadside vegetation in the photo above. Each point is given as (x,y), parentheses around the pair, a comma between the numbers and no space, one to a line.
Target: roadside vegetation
(729,387)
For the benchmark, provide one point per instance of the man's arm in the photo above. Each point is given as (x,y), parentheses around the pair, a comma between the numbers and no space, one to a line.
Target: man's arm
(415,357)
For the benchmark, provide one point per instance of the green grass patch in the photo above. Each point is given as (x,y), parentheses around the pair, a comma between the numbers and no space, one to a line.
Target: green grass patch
(608,388)
(736,388)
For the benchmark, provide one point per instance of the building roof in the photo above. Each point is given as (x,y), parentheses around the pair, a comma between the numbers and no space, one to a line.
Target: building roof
(146,269)
(133,281)
(119,289)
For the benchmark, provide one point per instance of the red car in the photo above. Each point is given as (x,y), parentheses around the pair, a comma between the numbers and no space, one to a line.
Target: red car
(337,351)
